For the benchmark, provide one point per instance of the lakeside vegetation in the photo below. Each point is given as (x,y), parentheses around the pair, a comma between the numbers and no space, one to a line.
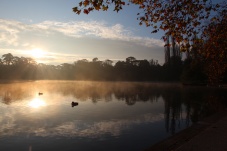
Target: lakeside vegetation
(175,70)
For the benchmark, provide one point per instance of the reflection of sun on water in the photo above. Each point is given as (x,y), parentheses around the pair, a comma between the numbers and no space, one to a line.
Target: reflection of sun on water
(36,103)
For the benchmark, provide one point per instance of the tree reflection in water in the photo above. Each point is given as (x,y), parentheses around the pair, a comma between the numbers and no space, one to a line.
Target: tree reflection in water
(197,101)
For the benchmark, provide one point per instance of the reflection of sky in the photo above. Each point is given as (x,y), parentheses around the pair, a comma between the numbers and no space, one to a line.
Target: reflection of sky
(52,115)
(101,113)
(45,122)
(75,128)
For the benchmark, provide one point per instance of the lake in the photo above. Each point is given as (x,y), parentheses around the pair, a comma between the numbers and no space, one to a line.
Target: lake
(113,116)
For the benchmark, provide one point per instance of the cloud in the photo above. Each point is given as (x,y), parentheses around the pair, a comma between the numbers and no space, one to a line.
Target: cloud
(77,40)
(82,28)
(98,30)
(10,31)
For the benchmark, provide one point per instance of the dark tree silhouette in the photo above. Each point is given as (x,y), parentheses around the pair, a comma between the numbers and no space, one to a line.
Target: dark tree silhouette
(7,58)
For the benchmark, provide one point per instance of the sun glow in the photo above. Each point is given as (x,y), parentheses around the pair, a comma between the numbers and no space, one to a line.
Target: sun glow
(36,103)
(37,53)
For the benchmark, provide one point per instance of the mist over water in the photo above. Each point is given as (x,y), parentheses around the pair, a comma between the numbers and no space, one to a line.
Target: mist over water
(38,115)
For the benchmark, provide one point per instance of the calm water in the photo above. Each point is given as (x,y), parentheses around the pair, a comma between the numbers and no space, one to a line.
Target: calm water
(113,116)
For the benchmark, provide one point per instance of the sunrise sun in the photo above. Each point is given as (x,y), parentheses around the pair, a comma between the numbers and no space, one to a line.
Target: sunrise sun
(37,53)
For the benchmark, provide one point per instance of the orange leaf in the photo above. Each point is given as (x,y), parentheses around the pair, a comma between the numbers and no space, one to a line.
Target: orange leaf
(85,3)
(86,11)
(123,3)
(104,8)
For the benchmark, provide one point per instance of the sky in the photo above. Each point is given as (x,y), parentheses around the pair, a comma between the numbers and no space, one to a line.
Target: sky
(51,33)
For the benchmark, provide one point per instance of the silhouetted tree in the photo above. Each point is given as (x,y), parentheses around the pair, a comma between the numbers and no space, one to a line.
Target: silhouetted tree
(7,58)
(214,48)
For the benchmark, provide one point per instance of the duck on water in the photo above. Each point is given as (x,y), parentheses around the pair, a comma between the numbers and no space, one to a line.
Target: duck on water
(74,104)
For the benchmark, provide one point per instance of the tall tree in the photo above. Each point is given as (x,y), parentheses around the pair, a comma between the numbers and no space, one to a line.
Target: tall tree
(108,62)
(214,49)
(7,58)
(167,51)
(130,60)
(1,62)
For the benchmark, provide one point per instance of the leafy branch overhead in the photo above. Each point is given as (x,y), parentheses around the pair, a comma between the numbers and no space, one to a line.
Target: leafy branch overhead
(181,19)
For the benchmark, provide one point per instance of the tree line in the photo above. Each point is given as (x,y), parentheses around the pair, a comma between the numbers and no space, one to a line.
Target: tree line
(175,69)
(26,68)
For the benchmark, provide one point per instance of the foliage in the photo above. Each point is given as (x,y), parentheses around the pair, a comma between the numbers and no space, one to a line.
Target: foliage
(7,58)
(193,72)
(181,19)
(214,49)
(13,67)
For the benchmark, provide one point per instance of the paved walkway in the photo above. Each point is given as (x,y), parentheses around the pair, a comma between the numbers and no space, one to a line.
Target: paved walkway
(208,135)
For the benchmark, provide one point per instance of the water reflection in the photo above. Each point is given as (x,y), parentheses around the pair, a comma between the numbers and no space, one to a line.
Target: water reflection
(108,111)
(36,103)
